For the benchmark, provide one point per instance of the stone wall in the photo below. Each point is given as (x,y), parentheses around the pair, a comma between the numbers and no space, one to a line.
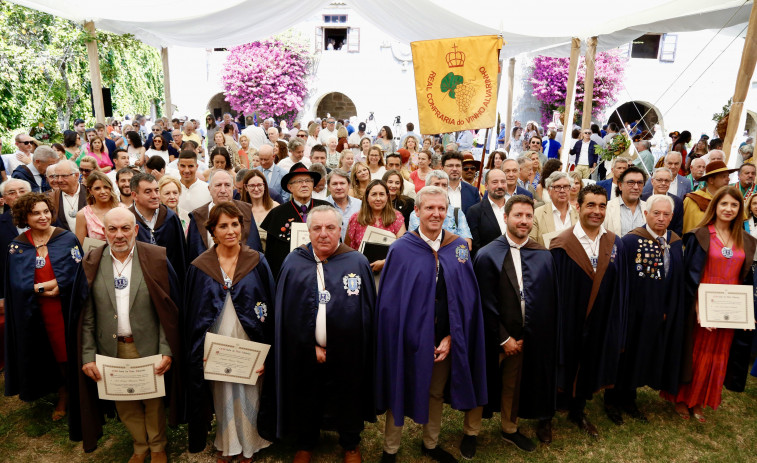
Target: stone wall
(336,104)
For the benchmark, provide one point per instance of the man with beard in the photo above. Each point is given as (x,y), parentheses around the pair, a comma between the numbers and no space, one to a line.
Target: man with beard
(70,197)
(518,286)
(592,306)
(656,315)
(324,339)
(221,188)
(123,181)
(746,180)
(126,305)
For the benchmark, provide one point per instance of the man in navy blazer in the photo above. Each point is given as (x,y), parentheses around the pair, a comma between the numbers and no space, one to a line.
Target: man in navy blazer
(619,165)
(461,194)
(584,161)
(34,173)
(10,190)
(273,174)
(485,223)
(680,187)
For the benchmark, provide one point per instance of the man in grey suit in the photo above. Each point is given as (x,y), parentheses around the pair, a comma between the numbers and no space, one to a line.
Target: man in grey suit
(125,315)
(273,174)
(680,186)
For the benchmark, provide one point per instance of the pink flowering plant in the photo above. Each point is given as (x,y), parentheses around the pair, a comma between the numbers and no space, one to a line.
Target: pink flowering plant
(549,78)
(268,77)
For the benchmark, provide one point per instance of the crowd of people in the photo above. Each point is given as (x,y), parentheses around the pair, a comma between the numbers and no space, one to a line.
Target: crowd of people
(514,284)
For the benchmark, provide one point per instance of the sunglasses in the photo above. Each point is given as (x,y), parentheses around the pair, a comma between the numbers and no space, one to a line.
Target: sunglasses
(469,168)
(26,142)
(302,136)
(85,171)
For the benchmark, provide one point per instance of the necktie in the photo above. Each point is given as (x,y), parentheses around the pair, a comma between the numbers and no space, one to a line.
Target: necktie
(268,174)
(304,209)
(665,254)
(45,186)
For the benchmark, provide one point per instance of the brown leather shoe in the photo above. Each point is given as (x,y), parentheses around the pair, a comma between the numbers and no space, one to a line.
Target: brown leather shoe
(302,456)
(138,457)
(353,456)
(158,457)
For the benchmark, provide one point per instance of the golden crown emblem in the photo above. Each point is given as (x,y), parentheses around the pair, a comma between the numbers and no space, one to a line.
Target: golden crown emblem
(455,59)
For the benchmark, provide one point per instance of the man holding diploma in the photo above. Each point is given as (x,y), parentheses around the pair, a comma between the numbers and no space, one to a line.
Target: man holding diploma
(127,292)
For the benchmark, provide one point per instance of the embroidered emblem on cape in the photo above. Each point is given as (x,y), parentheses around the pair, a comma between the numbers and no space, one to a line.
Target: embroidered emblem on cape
(261,311)
(352,284)
(462,253)
(76,254)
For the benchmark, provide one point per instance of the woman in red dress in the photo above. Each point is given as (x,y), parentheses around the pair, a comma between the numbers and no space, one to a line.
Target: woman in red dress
(719,251)
(44,260)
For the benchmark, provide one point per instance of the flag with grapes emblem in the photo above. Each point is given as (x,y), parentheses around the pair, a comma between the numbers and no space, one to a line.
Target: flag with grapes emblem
(456,83)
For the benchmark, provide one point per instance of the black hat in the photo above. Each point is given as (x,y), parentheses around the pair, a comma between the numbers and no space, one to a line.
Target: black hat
(298,169)
(361,127)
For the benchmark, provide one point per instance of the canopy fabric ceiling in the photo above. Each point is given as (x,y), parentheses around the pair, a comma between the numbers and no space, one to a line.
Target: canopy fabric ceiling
(545,27)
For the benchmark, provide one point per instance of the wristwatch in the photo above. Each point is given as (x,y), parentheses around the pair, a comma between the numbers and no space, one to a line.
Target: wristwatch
(41,289)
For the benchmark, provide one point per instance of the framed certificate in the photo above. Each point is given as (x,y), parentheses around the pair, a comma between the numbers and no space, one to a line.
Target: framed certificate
(129,379)
(726,306)
(298,235)
(233,360)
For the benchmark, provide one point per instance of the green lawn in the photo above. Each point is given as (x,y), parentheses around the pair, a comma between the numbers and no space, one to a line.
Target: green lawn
(730,435)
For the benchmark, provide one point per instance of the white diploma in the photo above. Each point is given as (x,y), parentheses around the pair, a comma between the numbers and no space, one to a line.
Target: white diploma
(91,243)
(129,379)
(298,235)
(233,360)
(376,235)
(726,306)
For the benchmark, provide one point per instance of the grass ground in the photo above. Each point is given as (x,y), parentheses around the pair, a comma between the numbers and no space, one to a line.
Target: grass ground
(730,435)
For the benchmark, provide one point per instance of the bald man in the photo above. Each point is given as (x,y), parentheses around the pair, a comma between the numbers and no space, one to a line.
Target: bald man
(273,174)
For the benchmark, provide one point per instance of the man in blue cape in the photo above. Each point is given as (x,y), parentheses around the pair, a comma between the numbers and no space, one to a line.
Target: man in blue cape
(221,187)
(324,340)
(158,224)
(656,316)
(518,286)
(430,332)
(591,308)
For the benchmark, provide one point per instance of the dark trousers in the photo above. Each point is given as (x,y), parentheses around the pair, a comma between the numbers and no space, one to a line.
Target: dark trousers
(574,405)
(314,405)
(618,397)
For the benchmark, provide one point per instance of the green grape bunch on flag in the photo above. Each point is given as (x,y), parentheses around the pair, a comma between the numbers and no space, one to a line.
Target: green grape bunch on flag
(462,92)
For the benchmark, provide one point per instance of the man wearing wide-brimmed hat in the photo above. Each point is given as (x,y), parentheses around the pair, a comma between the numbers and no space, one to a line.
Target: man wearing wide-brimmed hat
(715,176)
(277,224)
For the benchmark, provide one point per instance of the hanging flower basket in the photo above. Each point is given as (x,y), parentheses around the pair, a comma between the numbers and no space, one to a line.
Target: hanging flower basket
(617,146)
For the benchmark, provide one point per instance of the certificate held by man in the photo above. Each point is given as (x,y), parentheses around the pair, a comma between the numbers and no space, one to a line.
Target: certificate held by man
(233,360)
(129,379)
(726,306)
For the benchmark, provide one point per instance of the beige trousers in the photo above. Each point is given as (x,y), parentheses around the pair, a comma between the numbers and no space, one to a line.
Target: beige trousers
(431,430)
(145,419)
(585,171)
(510,370)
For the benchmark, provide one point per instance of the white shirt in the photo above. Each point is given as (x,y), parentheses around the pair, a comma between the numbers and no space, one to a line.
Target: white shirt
(11,162)
(613,193)
(583,157)
(288,162)
(320,318)
(195,196)
(499,214)
(455,195)
(122,295)
(320,195)
(324,135)
(70,203)
(590,246)
(163,154)
(435,244)
(210,235)
(378,174)
(673,190)
(651,232)
(559,224)
(515,252)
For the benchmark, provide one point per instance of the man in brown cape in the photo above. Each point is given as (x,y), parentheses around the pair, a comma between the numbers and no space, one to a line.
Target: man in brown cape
(127,306)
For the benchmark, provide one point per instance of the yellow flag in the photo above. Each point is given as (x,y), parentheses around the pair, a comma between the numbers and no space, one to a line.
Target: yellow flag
(456,83)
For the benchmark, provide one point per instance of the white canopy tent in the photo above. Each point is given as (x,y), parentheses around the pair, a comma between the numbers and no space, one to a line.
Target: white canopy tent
(551,27)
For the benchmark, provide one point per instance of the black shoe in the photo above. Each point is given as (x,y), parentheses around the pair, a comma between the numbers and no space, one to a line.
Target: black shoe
(438,454)
(520,441)
(614,414)
(388,457)
(584,424)
(544,431)
(634,412)
(468,447)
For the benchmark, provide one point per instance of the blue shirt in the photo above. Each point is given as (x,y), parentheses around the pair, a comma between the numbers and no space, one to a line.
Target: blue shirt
(462,230)
(353,207)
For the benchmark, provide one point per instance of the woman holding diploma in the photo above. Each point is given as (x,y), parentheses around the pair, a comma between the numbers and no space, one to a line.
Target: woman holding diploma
(719,251)
(231,289)
(39,274)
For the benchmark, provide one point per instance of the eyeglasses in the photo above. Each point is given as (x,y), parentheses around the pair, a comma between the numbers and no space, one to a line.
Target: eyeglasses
(638,183)
(256,186)
(560,187)
(308,181)
(85,171)
(660,180)
(469,168)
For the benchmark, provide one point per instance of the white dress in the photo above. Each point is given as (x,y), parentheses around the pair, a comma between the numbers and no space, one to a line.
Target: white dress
(236,405)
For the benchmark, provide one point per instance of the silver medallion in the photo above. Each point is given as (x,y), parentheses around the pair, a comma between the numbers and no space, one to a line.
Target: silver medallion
(727,252)
(39,262)
(121,282)
(324,297)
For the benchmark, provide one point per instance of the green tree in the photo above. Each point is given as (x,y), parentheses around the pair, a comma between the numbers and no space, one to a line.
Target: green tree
(44,72)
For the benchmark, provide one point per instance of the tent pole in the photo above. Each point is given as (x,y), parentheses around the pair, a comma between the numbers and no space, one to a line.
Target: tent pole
(481,166)
(94,73)
(166,82)
(570,97)
(743,81)
(510,85)
(591,53)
